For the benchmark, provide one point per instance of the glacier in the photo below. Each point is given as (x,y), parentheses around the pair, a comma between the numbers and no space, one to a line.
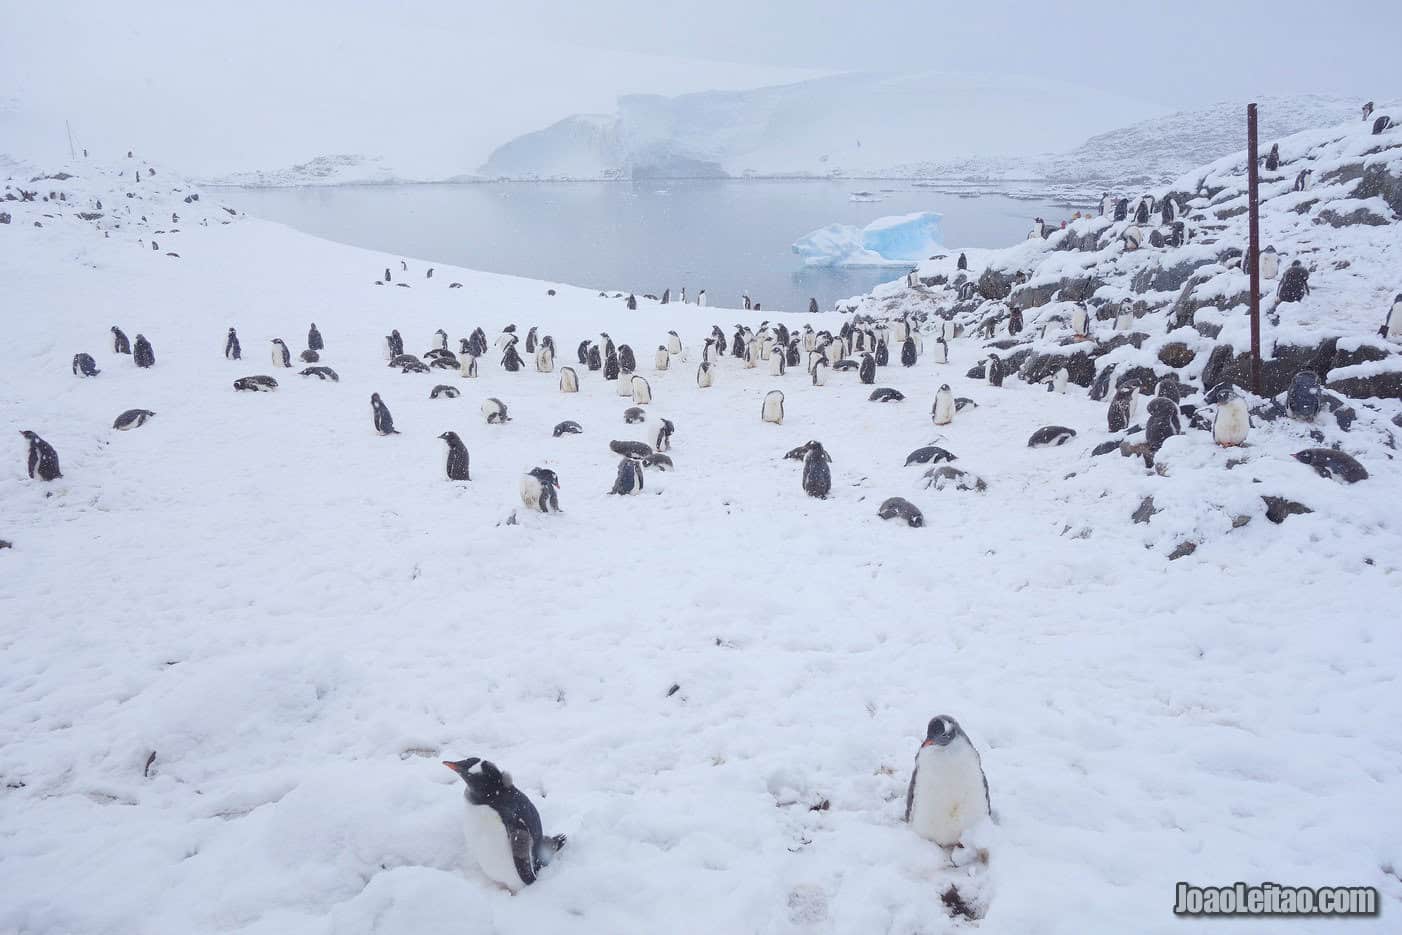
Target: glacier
(898,240)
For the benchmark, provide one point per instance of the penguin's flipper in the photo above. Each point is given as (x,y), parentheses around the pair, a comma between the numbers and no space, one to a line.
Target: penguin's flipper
(523,853)
(910,793)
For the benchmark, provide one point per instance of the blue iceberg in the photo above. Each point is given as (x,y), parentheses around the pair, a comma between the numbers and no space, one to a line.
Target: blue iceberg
(890,241)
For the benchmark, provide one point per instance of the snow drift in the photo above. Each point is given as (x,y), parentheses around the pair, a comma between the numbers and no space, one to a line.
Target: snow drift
(897,240)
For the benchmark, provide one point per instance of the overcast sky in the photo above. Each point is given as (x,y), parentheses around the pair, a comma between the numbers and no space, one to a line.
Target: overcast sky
(268,82)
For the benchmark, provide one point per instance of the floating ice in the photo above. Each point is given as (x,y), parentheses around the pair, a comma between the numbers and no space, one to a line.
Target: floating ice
(890,241)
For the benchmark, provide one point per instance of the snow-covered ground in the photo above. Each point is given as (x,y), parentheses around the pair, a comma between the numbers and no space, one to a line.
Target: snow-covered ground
(237,640)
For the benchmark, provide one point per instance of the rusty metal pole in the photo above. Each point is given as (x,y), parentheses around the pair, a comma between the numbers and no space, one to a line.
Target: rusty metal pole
(1253,250)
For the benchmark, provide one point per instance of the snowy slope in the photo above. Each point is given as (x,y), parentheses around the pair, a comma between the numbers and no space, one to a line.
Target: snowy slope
(237,640)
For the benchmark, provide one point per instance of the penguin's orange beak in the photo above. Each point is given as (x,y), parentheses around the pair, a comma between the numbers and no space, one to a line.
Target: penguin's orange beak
(451,765)
(927,743)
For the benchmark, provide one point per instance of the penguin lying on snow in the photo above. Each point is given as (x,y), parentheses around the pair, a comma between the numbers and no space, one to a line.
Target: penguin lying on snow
(1051,436)
(630,449)
(322,373)
(84,365)
(947,475)
(132,418)
(1331,464)
(633,415)
(256,384)
(659,461)
(503,828)
(930,454)
(43,459)
(948,792)
(494,411)
(568,427)
(884,394)
(540,490)
(448,392)
(893,507)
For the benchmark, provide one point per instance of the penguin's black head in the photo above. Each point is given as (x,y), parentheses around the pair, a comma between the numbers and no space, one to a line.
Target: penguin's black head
(484,781)
(374,397)
(29,435)
(546,477)
(1307,378)
(450,437)
(231,330)
(941,732)
(1220,393)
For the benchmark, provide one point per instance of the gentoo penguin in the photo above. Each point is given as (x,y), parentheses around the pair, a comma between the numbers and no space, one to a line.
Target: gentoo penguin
(705,374)
(663,359)
(1392,325)
(439,341)
(663,439)
(1381,124)
(1050,436)
(131,419)
(282,357)
(1168,211)
(569,381)
(468,366)
(962,262)
(568,427)
(630,449)
(445,391)
(942,413)
(457,457)
(322,373)
(1304,397)
(1121,411)
(627,363)
(683,299)
(232,348)
(1302,180)
(1121,209)
(511,361)
(792,357)
(494,411)
(583,352)
(544,359)
(1015,322)
(1133,238)
(1332,465)
(256,384)
(540,490)
(994,370)
(701,298)
(629,479)
(623,386)
(43,460)
(608,349)
(773,408)
(1273,158)
(531,340)
(817,479)
(633,415)
(929,454)
(1270,263)
(885,394)
(908,353)
(866,373)
(611,367)
(812,306)
(642,392)
(310,356)
(503,828)
(900,507)
(120,344)
(941,351)
(1162,423)
(948,792)
(596,358)
(1058,381)
(144,354)
(1294,283)
(666,296)
(1367,111)
(84,365)
(384,422)
(820,371)
(1141,214)
(1080,320)
(632,302)
(777,364)
(314,341)
(883,354)
(746,299)
(1232,422)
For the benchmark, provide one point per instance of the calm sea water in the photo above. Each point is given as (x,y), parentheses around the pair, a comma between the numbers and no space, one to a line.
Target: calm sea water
(728,236)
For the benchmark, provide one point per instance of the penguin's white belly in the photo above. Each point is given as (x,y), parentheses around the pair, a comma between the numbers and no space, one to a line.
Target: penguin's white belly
(488,844)
(944,410)
(949,794)
(530,494)
(1232,423)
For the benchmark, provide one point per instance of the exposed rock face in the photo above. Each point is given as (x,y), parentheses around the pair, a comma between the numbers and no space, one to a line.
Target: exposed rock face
(1386,385)
(1276,371)
(1080,367)
(994,285)
(1360,215)
(1382,181)
(1176,354)
(1161,279)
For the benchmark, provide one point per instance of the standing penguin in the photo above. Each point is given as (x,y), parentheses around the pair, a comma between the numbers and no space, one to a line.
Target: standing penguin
(595,359)
(143,353)
(544,359)
(820,370)
(611,367)
(1080,320)
(539,490)
(457,457)
(942,413)
(120,344)
(666,296)
(1367,111)
(569,381)
(948,792)
(494,411)
(817,479)
(812,306)
(232,349)
(773,408)
(282,357)
(1304,397)
(43,460)
(632,302)
(629,479)
(642,391)
(531,340)
(683,299)
(866,373)
(439,341)
(1273,158)
(1058,381)
(1232,422)
(777,364)
(883,354)
(379,412)
(662,359)
(995,370)
(84,364)
(705,374)
(663,440)
(1015,322)
(1302,181)
(701,298)
(468,366)
(503,827)
(1121,409)
(962,262)
(511,361)
(1294,283)
(1392,325)
(941,351)
(1162,423)
(627,363)
(314,341)
(674,343)
(1270,263)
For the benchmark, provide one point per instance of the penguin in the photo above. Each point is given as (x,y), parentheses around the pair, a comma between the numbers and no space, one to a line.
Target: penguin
(882,355)
(994,370)
(408,363)
(131,419)
(633,415)
(623,386)
(503,827)
(494,411)
(511,361)
(1381,124)
(314,341)
(531,340)
(1232,421)
(1302,180)
(429,274)
(120,344)
(777,364)
(1270,263)
(683,299)
(962,262)
(1168,212)
(642,392)
(310,356)
(255,384)
(629,479)
(661,462)
(608,349)
(705,374)
(627,363)
(611,367)
(232,349)
(941,351)
(1141,214)
(583,353)
(792,357)
(544,359)
(930,454)
(885,394)
(900,507)
(448,392)
(322,373)
(568,427)
(43,460)
(439,341)
(1367,111)
(282,357)
(1162,423)
(1332,465)
(1273,158)
(632,302)
(540,490)
(84,365)
(1121,209)
(908,356)
(666,296)
(1080,320)
(746,300)
(1304,397)
(1014,322)
(1294,283)
(630,449)
(820,371)
(457,457)
(144,354)
(403,266)
(663,439)
(866,373)
(773,408)
(701,298)
(1178,235)
(663,358)
(817,479)
(1169,388)
(468,367)
(569,382)
(812,306)
(948,792)
(1121,410)
(384,422)
(1132,238)
(1124,319)
(1392,325)
(1057,383)
(942,413)
(1051,436)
